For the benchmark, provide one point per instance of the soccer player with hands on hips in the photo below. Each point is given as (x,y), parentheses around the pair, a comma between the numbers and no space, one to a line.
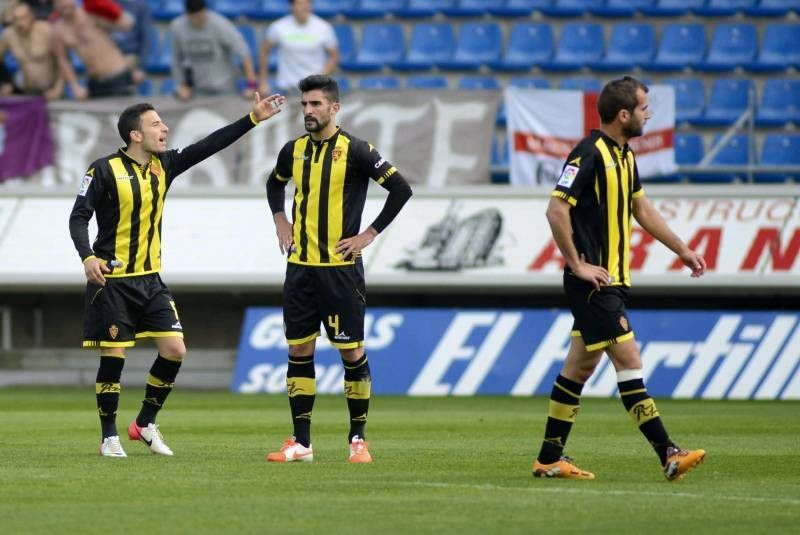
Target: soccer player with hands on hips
(331,170)
(126,300)
(590,214)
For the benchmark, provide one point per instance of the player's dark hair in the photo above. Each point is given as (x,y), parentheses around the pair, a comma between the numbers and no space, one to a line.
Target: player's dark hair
(193,6)
(328,85)
(131,119)
(618,95)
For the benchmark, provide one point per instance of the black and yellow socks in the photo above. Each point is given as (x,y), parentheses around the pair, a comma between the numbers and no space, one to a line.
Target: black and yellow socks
(357,389)
(565,400)
(107,388)
(643,410)
(159,384)
(301,385)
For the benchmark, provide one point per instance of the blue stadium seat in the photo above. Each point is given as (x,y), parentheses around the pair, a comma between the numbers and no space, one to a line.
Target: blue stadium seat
(773,8)
(519,8)
(681,44)
(159,57)
(479,43)
(331,8)
(380,44)
(371,9)
(717,8)
(780,48)
(734,152)
(727,100)
(630,45)
(622,8)
(478,82)
(530,82)
(571,8)
(779,149)
(430,43)
(581,83)
(688,151)
(232,9)
(426,81)
(424,8)
(268,9)
(471,8)
(11,62)
(529,44)
(500,160)
(690,98)
(347,44)
(732,45)
(68,95)
(344,84)
(780,102)
(379,82)
(169,9)
(580,43)
(145,88)
(167,87)
(249,35)
(672,8)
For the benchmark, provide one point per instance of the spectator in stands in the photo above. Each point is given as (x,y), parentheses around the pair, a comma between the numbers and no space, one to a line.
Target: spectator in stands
(202,46)
(85,30)
(135,42)
(306,45)
(34,45)
(42,9)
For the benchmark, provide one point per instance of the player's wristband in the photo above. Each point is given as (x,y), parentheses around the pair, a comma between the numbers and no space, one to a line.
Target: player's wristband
(88,258)
(253,118)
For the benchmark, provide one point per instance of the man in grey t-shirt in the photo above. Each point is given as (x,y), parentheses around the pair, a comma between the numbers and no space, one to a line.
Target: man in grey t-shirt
(204,44)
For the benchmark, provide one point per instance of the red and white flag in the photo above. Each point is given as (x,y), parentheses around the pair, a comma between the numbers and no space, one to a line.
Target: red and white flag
(545,125)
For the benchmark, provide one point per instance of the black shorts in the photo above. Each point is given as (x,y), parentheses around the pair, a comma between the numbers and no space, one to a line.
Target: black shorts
(332,295)
(600,315)
(127,309)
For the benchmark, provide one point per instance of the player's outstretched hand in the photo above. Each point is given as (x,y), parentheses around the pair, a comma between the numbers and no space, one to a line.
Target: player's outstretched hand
(694,261)
(597,275)
(264,108)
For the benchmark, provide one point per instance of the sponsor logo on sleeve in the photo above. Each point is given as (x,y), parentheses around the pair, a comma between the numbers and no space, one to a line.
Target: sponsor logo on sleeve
(568,176)
(87,180)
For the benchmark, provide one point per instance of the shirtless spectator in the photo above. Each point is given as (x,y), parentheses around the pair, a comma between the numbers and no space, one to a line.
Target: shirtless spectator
(85,30)
(135,42)
(33,43)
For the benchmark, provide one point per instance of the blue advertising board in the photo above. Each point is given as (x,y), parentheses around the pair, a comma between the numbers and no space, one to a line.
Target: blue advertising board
(439,352)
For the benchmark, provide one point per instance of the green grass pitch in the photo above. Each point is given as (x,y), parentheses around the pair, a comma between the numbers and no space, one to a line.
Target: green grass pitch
(441,465)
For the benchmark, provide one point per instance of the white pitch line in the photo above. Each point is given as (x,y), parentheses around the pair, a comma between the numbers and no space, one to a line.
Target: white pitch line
(605,492)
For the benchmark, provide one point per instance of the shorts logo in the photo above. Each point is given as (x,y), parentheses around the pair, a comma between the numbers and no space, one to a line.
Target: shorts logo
(568,176)
(341,336)
(337,154)
(113,331)
(623,323)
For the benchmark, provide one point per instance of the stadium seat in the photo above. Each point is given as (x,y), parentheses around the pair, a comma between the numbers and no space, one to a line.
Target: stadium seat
(500,160)
(727,100)
(529,44)
(344,84)
(169,9)
(371,83)
(145,88)
(479,83)
(519,8)
(249,35)
(779,149)
(233,9)
(681,44)
(718,8)
(630,45)
(347,44)
(159,58)
(580,43)
(581,83)
(734,152)
(372,9)
(622,8)
(530,82)
(690,98)
(672,8)
(780,48)
(426,82)
(773,8)
(430,43)
(479,43)
(571,8)
(268,9)
(688,151)
(424,8)
(331,8)
(11,62)
(780,102)
(732,45)
(471,8)
(68,95)
(380,44)
(167,87)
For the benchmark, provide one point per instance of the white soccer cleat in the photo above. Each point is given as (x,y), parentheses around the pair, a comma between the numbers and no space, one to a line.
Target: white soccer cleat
(111,447)
(292,451)
(151,436)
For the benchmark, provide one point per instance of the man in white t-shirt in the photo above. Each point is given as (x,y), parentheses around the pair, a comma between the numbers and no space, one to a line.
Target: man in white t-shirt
(306,45)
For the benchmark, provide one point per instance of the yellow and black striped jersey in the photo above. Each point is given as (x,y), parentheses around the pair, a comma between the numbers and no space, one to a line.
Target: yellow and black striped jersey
(128,199)
(331,178)
(600,180)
